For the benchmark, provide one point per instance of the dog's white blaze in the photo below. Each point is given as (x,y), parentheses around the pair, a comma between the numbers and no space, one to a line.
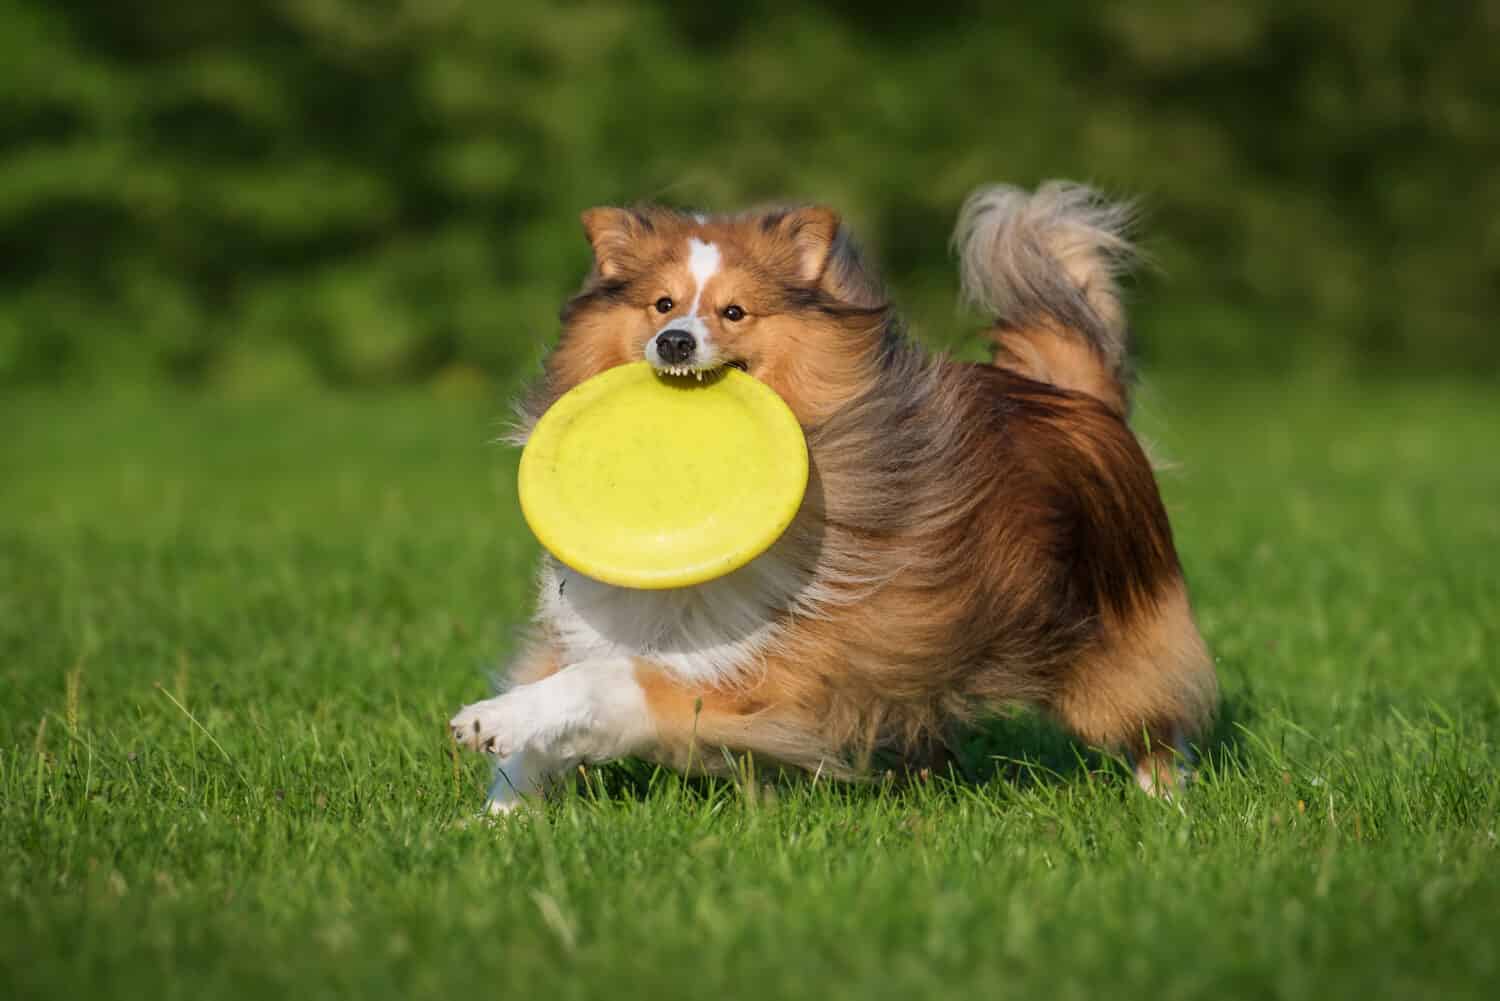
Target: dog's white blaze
(703,264)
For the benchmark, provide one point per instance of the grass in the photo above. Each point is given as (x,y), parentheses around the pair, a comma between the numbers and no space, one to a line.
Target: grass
(230,634)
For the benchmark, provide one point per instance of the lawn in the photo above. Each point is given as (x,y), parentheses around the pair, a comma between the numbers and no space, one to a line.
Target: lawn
(231,634)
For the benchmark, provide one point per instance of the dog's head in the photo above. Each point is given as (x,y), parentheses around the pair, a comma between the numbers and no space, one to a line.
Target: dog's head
(781,294)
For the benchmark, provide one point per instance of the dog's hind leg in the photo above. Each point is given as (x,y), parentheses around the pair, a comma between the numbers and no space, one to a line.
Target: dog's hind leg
(1147,688)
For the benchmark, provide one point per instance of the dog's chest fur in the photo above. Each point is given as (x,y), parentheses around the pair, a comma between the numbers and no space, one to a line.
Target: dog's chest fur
(712,633)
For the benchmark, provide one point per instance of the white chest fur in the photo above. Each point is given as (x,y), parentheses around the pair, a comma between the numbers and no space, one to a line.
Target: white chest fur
(713,633)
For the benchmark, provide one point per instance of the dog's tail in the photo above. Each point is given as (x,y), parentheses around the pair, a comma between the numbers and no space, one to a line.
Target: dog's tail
(1045,266)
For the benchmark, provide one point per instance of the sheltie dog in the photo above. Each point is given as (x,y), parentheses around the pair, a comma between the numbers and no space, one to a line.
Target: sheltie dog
(972,537)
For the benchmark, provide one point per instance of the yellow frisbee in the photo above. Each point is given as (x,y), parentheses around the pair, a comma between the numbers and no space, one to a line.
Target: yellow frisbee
(652,481)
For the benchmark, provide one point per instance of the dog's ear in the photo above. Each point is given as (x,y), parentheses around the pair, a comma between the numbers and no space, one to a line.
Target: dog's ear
(611,231)
(809,233)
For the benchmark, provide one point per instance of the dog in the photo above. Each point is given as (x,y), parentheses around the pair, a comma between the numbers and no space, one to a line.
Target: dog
(974,536)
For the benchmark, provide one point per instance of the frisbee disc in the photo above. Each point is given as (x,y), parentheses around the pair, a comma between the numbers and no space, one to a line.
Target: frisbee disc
(651,481)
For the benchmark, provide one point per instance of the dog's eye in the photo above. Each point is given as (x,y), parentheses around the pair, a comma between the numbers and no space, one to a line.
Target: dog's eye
(733,314)
(664,304)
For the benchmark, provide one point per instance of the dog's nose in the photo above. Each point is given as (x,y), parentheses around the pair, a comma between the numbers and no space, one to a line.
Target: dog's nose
(675,346)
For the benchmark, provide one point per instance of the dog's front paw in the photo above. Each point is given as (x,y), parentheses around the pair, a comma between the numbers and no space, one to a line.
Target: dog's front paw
(487,726)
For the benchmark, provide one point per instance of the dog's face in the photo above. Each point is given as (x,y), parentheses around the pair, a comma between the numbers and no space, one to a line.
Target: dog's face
(776,294)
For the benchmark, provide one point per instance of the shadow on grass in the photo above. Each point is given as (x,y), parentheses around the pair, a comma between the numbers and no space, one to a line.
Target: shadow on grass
(1023,751)
(1027,749)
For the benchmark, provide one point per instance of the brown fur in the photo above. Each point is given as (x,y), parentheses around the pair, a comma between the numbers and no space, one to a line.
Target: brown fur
(813,322)
(1043,354)
(981,536)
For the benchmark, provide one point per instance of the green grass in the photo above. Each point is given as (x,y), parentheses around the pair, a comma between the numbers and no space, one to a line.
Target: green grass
(231,633)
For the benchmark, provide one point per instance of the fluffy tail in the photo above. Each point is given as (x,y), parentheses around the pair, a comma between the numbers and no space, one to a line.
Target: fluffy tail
(1045,265)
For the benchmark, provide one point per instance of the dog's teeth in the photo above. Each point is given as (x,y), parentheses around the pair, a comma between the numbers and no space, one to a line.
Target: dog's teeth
(699,374)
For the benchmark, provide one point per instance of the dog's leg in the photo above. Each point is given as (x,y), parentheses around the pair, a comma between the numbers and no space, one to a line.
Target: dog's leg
(611,708)
(591,711)
(523,777)
(1148,690)
(518,779)
(697,724)
(1163,761)
(1158,748)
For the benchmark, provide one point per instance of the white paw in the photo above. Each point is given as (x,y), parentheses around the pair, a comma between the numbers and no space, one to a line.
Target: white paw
(493,726)
(587,712)
(504,806)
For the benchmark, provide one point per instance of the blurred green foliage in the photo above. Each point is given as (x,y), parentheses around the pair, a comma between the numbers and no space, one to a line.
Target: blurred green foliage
(254,195)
